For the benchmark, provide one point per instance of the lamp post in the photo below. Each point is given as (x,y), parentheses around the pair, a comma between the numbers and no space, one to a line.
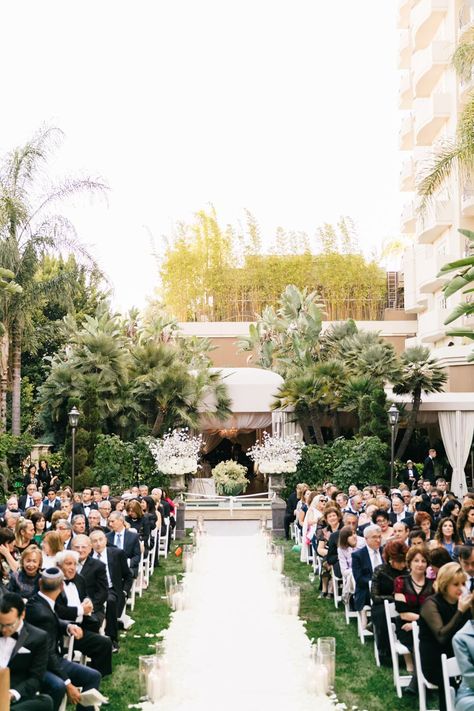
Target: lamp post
(73,416)
(393,416)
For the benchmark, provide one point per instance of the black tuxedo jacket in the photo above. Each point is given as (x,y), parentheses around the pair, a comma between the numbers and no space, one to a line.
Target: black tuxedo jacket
(405,477)
(408,519)
(429,470)
(120,574)
(22,502)
(131,548)
(28,668)
(67,612)
(95,578)
(40,614)
(79,508)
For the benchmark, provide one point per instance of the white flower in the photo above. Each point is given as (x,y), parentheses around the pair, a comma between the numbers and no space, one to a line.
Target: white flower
(177,452)
(276,455)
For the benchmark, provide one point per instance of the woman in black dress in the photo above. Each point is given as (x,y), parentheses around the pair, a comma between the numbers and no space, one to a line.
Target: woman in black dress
(382,589)
(442,615)
(411,591)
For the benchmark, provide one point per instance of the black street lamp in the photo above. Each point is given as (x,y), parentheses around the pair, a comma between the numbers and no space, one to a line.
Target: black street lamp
(393,416)
(73,416)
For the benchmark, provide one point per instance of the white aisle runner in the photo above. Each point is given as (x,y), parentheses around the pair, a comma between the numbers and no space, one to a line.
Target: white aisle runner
(230,649)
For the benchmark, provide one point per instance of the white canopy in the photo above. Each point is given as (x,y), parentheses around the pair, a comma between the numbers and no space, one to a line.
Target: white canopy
(252,391)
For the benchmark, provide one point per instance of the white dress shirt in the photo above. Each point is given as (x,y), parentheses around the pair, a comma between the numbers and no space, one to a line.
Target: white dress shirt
(375,558)
(103,558)
(73,599)
(7,644)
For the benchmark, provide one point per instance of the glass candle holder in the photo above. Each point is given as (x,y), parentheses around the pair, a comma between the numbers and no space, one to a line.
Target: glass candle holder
(146,666)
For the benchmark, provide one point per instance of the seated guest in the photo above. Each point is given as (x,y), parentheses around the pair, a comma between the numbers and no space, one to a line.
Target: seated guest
(290,513)
(382,589)
(11,505)
(73,605)
(64,528)
(465,525)
(411,591)
(463,646)
(24,534)
(466,561)
(364,562)
(382,519)
(442,615)
(438,558)
(137,520)
(126,539)
(94,520)
(451,509)
(409,476)
(62,676)
(401,532)
(330,522)
(149,509)
(86,504)
(57,516)
(399,512)
(446,536)
(105,509)
(119,579)
(424,521)
(25,581)
(8,555)
(94,576)
(52,544)
(79,524)
(416,537)
(26,500)
(53,502)
(38,520)
(24,650)
(347,542)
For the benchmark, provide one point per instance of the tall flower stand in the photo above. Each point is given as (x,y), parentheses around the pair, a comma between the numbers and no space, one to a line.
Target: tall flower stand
(178,482)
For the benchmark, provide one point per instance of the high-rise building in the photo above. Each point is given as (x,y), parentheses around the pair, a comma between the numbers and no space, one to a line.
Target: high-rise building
(431,99)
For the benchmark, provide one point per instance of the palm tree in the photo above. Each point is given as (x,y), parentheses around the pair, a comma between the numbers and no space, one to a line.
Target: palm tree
(462,280)
(29,229)
(420,373)
(456,153)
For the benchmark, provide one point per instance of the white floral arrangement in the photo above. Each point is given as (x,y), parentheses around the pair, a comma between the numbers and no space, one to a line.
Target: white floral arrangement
(177,452)
(276,455)
(229,477)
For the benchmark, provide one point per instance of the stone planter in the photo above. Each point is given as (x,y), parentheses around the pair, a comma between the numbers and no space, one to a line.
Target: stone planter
(276,482)
(178,482)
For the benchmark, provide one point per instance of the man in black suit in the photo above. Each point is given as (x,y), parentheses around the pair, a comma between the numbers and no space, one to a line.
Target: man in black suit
(93,574)
(119,578)
(24,650)
(290,513)
(428,466)
(125,538)
(62,676)
(399,511)
(73,605)
(86,505)
(363,563)
(26,500)
(409,475)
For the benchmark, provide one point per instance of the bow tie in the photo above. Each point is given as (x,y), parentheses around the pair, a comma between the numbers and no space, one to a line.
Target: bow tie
(14,635)
(67,582)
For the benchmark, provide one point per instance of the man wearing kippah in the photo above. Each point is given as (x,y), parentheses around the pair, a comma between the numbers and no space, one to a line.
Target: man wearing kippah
(62,676)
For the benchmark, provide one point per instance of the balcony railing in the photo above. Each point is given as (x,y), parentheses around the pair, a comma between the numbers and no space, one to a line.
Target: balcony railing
(426,18)
(337,309)
(428,65)
(430,116)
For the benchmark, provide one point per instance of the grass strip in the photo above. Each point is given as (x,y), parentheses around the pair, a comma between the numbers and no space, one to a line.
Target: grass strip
(359,682)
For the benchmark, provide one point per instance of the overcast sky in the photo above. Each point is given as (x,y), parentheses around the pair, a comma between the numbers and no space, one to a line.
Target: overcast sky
(287,108)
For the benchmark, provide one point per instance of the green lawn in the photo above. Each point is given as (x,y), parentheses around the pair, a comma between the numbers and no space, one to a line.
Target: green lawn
(151,615)
(359,682)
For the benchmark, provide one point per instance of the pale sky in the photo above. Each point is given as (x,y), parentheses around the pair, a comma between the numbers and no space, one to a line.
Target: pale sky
(287,108)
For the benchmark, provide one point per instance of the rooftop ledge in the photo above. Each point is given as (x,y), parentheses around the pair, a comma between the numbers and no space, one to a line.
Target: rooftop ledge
(236,329)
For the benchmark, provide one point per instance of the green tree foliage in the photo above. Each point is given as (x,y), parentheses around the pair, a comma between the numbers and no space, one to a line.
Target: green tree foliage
(212,273)
(343,462)
(462,281)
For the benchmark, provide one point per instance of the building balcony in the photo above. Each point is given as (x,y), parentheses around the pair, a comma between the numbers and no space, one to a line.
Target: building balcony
(428,65)
(466,86)
(430,226)
(426,18)
(434,262)
(407,176)
(404,8)
(467,201)
(405,92)
(408,218)
(413,256)
(430,116)
(404,50)
(466,20)
(406,133)
(431,326)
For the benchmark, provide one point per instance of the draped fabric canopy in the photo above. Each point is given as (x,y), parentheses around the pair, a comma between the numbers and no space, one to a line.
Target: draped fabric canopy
(457,430)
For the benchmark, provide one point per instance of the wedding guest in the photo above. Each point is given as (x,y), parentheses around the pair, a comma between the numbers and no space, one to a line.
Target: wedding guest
(51,545)
(382,588)
(329,523)
(8,558)
(346,546)
(31,477)
(24,534)
(25,581)
(424,521)
(465,525)
(137,520)
(442,615)
(382,519)
(38,520)
(446,536)
(411,591)
(364,562)
(463,646)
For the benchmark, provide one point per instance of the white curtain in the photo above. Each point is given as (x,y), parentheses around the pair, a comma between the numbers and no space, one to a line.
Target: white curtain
(238,421)
(457,429)
(284,424)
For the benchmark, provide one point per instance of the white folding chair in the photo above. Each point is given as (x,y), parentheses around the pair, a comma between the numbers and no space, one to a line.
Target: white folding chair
(450,669)
(423,684)
(361,630)
(336,588)
(163,541)
(153,549)
(397,649)
(297,535)
(132,595)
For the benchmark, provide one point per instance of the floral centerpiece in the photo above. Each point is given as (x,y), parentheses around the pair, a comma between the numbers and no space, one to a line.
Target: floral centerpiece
(276,456)
(229,478)
(176,454)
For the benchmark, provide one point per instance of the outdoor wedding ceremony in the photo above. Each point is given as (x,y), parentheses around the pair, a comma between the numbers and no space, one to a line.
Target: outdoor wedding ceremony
(237,356)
